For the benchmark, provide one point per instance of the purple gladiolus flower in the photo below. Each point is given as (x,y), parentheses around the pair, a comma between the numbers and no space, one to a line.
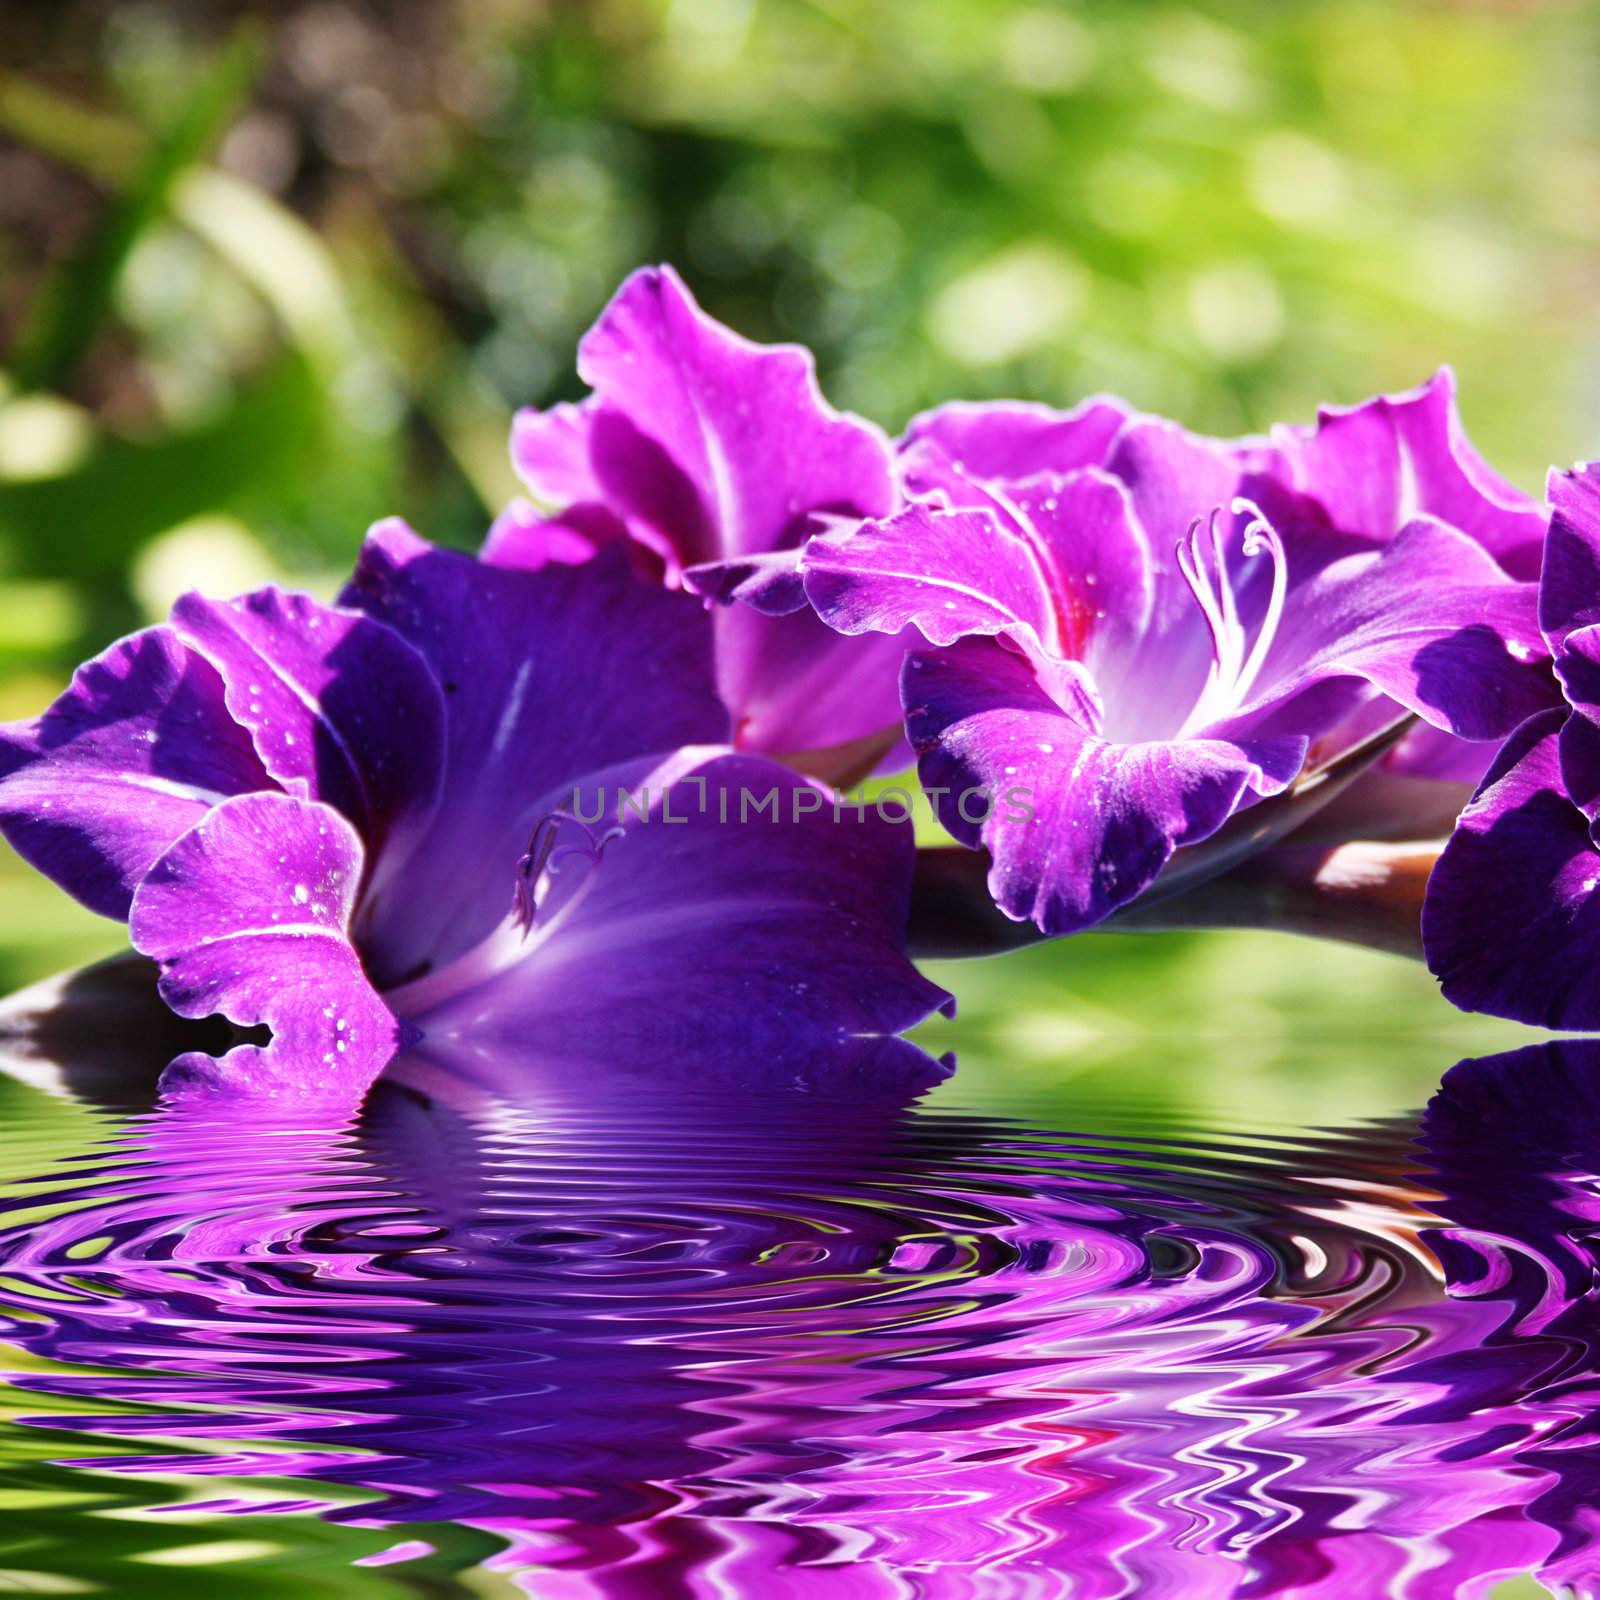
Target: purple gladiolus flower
(402,816)
(1512,920)
(714,459)
(1138,632)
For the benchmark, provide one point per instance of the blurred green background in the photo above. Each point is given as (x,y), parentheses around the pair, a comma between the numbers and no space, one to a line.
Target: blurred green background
(270,272)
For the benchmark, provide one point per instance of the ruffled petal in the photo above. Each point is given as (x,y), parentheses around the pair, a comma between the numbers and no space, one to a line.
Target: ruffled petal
(709,449)
(1060,567)
(742,925)
(1511,924)
(1008,440)
(948,573)
(710,444)
(550,452)
(1377,466)
(135,752)
(248,914)
(1077,826)
(546,676)
(340,708)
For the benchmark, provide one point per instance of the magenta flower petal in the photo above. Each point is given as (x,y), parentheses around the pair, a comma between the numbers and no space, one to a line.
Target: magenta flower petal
(550,451)
(743,426)
(1431,754)
(135,752)
(1172,477)
(711,450)
(805,691)
(248,914)
(1077,825)
(546,676)
(1428,619)
(521,536)
(1192,623)
(1376,466)
(1058,566)
(802,689)
(1011,439)
(948,573)
(340,707)
(744,946)
(1063,565)
(1512,920)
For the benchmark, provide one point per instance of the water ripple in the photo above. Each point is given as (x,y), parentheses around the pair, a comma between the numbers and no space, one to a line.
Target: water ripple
(658,1342)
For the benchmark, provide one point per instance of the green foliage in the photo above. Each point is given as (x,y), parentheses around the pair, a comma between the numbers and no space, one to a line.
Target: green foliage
(308,269)
(73,300)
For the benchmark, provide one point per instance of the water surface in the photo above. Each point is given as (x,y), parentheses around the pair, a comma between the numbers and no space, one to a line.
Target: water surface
(642,1337)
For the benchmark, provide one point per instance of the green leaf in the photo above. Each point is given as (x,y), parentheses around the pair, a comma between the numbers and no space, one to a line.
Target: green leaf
(87,523)
(74,300)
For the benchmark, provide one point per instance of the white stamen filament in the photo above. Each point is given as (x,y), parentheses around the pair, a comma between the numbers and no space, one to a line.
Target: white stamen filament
(1259,535)
(1232,674)
(1225,646)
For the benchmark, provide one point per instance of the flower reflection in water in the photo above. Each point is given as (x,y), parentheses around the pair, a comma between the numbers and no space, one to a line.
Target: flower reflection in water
(691,1339)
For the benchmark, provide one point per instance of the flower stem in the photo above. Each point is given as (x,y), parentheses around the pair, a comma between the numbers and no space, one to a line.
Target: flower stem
(1364,892)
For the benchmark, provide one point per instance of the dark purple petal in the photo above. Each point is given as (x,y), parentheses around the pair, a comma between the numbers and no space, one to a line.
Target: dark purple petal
(742,927)
(710,446)
(770,583)
(1578,669)
(135,751)
(1379,465)
(1009,440)
(340,707)
(1427,618)
(546,676)
(249,916)
(864,1076)
(1077,825)
(1512,921)
(1569,588)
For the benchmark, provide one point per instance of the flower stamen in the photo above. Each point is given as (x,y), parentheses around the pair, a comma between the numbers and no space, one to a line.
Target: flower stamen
(1259,535)
(1203,563)
(541,859)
